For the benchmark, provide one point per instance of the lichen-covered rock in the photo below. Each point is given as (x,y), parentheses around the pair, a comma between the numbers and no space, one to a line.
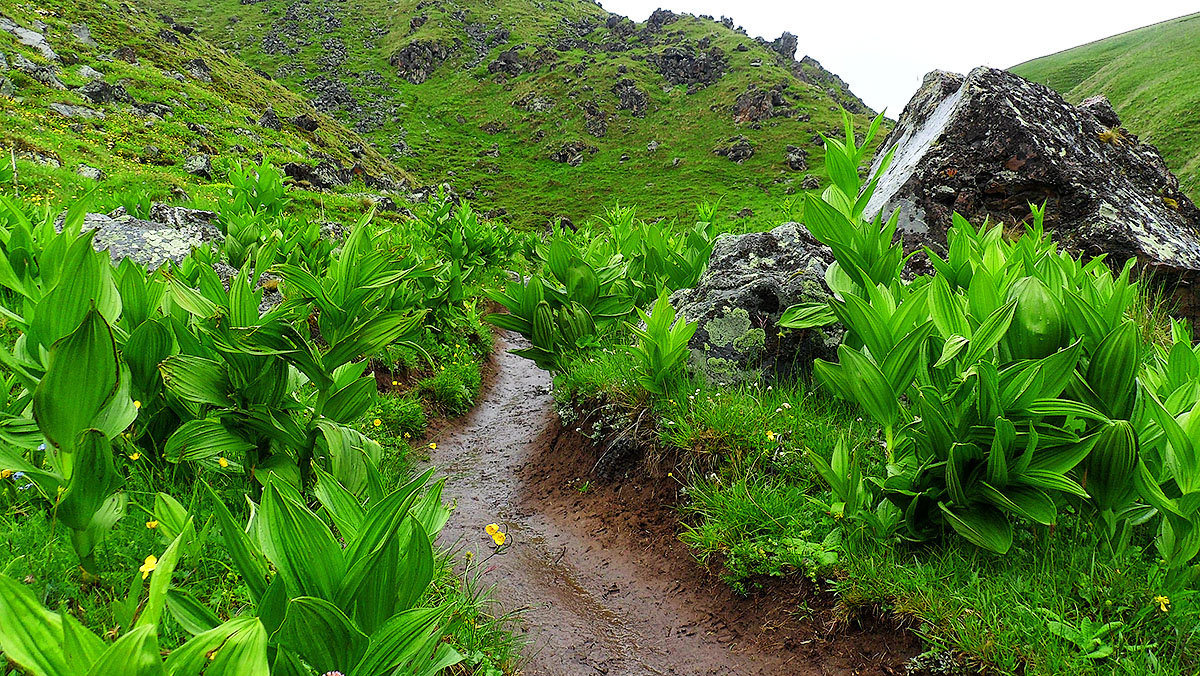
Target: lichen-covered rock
(199,165)
(28,37)
(989,144)
(47,75)
(795,158)
(169,234)
(750,281)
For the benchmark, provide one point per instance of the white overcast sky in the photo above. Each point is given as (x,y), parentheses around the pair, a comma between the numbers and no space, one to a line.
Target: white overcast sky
(882,49)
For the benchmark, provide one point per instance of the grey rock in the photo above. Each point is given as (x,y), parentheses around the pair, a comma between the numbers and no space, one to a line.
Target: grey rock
(100,92)
(572,153)
(688,65)
(750,281)
(28,37)
(3,62)
(80,112)
(756,105)
(7,88)
(125,53)
(83,34)
(324,176)
(652,146)
(989,144)
(630,98)
(534,102)
(417,61)
(198,69)
(90,172)
(199,165)
(737,149)
(169,234)
(796,158)
(89,73)
(810,182)
(306,122)
(509,63)
(270,120)
(47,75)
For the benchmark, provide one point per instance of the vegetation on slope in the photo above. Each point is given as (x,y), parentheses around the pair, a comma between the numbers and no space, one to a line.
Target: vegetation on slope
(1151,77)
(483,94)
(135,98)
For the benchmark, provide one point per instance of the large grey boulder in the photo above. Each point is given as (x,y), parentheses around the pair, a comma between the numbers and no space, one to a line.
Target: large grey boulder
(989,144)
(750,281)
(28,37)
(169,234)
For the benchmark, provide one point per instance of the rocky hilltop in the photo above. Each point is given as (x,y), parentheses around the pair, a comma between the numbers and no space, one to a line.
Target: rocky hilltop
(544,110)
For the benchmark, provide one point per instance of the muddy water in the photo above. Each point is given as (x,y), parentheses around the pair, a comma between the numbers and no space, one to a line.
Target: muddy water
(597,594)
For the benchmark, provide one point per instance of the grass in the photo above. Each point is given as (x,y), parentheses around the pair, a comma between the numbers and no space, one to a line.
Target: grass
(437,128)
(751,504)
(1151,77)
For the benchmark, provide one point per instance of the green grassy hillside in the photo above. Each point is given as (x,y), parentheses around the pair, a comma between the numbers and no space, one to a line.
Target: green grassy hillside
(1152,77)
(116,88)
(487,95)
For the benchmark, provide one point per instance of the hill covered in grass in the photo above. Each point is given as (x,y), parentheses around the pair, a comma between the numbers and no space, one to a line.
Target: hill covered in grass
(106,94)
(543,110)
(1152,77)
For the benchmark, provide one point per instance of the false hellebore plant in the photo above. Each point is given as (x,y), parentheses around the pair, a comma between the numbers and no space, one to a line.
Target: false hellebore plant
(1008,384)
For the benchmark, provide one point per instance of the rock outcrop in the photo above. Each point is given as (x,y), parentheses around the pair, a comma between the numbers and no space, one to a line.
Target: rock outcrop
(417,61)
(737,149)
(751,280)
(989,144)
(169,234)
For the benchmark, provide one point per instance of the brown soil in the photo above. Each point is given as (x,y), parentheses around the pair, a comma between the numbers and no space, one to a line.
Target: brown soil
(601,581)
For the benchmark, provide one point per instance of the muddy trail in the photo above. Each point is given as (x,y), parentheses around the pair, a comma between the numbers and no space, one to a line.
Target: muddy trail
(601,582)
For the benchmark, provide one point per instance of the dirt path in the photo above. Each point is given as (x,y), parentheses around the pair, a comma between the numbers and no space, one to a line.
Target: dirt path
(602,583)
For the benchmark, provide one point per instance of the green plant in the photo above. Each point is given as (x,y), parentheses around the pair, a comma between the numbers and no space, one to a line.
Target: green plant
(662,346)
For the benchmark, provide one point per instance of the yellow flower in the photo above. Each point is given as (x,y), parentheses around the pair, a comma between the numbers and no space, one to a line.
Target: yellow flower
(135,456)
(770,435)
(222,461)
(407,435)
(492,528)
(395,383)
(5,473)
(498,538)
(147,567)
(137,404)
(377,422)
(151,525)
(432,446)
(1164,603)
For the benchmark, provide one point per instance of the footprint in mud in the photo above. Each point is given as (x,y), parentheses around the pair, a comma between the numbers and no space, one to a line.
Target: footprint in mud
(600,581)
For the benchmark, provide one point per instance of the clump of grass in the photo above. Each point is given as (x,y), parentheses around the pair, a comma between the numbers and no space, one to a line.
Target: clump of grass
(453,388)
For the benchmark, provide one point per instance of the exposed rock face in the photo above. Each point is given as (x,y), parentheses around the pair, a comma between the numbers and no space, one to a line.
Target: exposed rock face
(796,158)
(44,74)
(630,98)
(270,120)
(785,46)
(418,60)
(199,165)
(750,281)
(27,37)
(689,66)
(80,112)
(169,235)
(811,71)
(509,62)
(756,105)
(737,149)
(99,91)
(989,144)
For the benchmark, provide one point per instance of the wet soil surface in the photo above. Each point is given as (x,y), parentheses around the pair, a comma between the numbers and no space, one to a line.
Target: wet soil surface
(600,581)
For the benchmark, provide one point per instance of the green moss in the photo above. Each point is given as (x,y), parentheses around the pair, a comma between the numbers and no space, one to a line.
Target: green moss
(732,326)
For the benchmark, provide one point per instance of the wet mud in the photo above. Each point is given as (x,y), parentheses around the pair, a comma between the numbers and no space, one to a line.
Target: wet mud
(595,571)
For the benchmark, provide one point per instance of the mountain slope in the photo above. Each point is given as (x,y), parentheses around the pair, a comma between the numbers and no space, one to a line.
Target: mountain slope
(549,109)
(104,85)
(1152,77)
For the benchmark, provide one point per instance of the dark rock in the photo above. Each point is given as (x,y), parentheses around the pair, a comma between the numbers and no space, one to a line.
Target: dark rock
(1102,110)
(737,149)
(756,105)
(7,88)
(686,66)
(746,212)
(785,46)
(509,62)
(630,98)
(83,34)
(125,53)
(810,183)
(99,91)
(417,61)
(198,69)
(594,119)
(652,146)
(659,18)
(270,120)
(306,122)
(199,165)
(751,279)
(988,145)
(796,158)
(572,153)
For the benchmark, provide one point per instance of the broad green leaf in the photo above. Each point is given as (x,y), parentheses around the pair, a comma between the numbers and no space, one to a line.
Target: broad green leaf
(193,616)
(82,378)
(300,545)
(206,439)
(134,654)
(982,525)
(320,633)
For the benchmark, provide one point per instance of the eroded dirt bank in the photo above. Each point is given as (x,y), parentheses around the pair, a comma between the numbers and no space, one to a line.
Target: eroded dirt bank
(602,582)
